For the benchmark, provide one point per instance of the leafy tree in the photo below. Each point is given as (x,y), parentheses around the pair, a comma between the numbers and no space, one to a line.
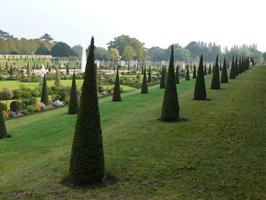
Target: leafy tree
(200,89)
(42,50)
(177,75)
(113,54)
(144,87)
(3,131)
(224,77)
(162,80)
(170,107)
(117,94)
(87,156)
(129,53)
(149,75)
(187,77)
(44,96)
(100,53)
(73,100)
(215,84)
(61,49)
(194,72)
(46,37)
(78,50)
(156,54)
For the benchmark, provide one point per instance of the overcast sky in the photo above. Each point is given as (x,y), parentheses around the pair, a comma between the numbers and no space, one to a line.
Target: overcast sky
(154,22)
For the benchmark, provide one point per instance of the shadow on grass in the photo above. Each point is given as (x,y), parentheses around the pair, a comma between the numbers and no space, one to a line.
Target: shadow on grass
(106,181)
(178,121)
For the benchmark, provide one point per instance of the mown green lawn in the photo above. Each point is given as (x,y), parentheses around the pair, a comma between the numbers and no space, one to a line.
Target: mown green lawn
(218,152)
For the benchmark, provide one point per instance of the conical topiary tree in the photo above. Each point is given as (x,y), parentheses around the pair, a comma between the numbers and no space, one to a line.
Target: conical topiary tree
(210,69)
(73,100)
(205,69)
(194,72)
(144,87)
(117,94)
(232,70)
(187,77)
(177,75)
(224,77)
(200,89)
(44,96)
(87,156)
(67,69)
(149,76)
(236,67)
(170,107)
(162,80)
(215,84)
(57,78)
(3,132)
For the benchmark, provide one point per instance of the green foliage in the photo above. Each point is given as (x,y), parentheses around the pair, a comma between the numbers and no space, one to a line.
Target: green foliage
(177,75)
(15,106)
(210,69)
(44,95)
(3,106)
(42,50)
(224,77)
(117,93)
(232,70)
(187,77)
(200,89)
(149,75)
(170,107)
(57,78)
(205,69)
(87,159)
(113,54)
(3,131)
(144,87)
(162,79)
(73,100)
(61,49)
(215,84)
(194,72)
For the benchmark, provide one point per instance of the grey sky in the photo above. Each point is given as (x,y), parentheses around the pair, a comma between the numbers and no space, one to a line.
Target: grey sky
(154,22)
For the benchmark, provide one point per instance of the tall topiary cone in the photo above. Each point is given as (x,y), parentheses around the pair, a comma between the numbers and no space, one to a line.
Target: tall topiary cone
(57,78)
(187,77)
(210,69)
(73,100)
(149,76)
(194,72)
(177,75)
(215,84)
(162,80)
(3,132)
(200,89)
(170,107)
(87,158)
(232,70)
(224,77)
(117,94)
(205,69)
(236,67)
(67,69)
(144,87)
(44,96)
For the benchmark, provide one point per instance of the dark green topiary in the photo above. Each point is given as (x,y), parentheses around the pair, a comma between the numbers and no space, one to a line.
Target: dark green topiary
(57,78)
(232,70)
(236,67)
(15,106)
(67,69)
(194,72)
(224,77)
(170,108)
(44,96)
(205,70)
(73,100)
(200,89)
(87,158)
(3,132)
(149,76)
(187,77)
(215,84)
(162,80)
(210,69)
(144,87)
(117,94)
(177,75)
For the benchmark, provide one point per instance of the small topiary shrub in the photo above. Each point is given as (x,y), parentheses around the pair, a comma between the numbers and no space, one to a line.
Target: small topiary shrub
(16,106)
